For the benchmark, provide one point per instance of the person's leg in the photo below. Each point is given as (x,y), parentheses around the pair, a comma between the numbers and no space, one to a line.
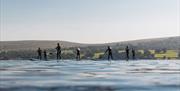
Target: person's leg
(111,56)
(133,57)
(108,56)
(60,55)
(57,55)
(127,57)
(40,57)
(79,57)
(44,57)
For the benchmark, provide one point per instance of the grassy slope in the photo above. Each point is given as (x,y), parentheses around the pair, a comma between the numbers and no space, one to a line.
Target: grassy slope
(156,43)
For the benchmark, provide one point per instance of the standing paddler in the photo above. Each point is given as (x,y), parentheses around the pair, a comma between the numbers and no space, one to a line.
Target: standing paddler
(78,57)
(109,50)
(127,53)
(58,51)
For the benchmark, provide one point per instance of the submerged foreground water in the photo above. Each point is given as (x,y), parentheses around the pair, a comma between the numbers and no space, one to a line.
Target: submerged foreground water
(86,75)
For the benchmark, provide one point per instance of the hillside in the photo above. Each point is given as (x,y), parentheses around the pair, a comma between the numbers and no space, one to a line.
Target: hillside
(34,44)
(156,43)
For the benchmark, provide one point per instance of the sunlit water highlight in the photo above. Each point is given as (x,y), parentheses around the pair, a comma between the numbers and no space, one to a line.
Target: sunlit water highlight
(86,75)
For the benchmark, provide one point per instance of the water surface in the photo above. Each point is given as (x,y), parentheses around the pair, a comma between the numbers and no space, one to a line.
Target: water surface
(86,75)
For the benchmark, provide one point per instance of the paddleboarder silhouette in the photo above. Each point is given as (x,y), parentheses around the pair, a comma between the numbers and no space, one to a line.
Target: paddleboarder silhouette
(45,55)
(127,53)
(133,54)
(58,51)
(78,54)
(39,51)
(109,50)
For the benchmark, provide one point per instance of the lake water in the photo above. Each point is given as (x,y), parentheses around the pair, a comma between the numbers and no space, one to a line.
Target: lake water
(86,75)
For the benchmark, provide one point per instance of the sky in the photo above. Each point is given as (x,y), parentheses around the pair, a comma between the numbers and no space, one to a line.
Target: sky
(88,21)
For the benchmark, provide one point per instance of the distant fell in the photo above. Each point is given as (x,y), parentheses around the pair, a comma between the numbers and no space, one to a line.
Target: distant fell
(34,44)
(155,43)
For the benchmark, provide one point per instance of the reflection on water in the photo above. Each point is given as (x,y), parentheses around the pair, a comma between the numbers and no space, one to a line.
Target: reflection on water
(67,75)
